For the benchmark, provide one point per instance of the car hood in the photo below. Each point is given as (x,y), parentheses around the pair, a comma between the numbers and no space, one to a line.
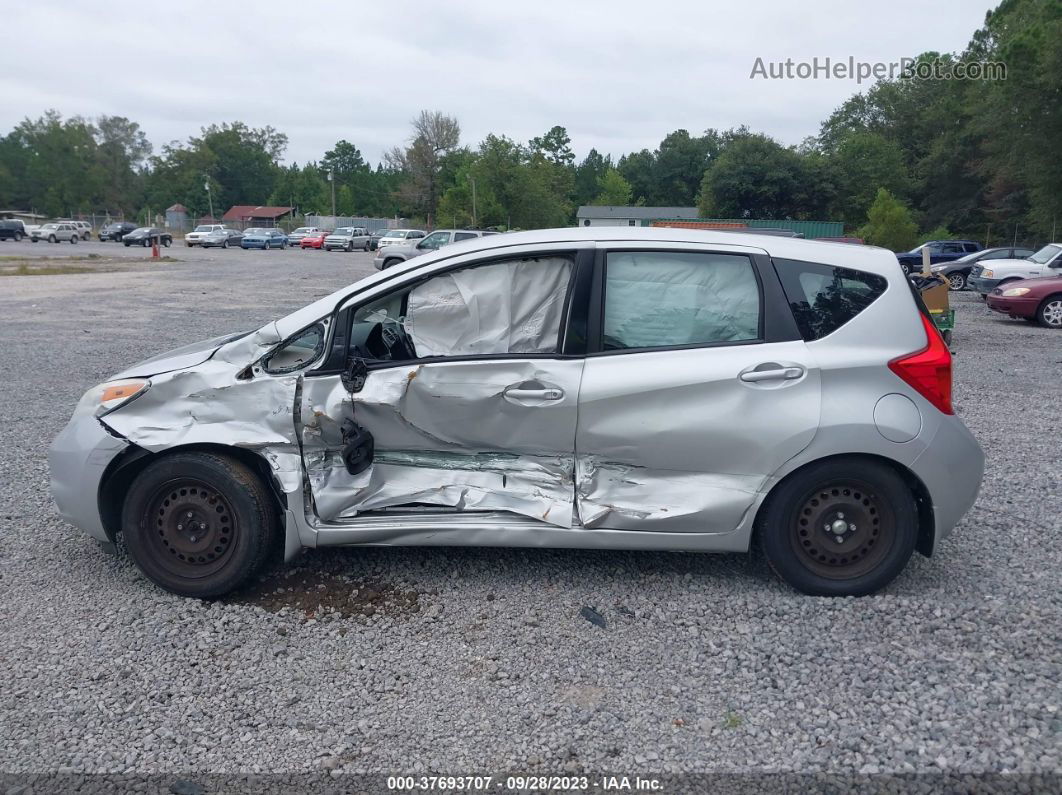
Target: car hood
(179,358)
(1036,283)
(993,264)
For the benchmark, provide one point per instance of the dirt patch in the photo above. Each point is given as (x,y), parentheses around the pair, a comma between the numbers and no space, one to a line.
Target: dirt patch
(315,595)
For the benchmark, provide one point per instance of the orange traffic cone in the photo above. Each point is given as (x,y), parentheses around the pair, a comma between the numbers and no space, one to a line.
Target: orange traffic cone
(155,248)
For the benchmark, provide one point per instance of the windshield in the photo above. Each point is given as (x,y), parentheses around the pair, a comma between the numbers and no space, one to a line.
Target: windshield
(1045,255)
(202,228)
(302,230)
(343,230)
(50,226)
(142,229)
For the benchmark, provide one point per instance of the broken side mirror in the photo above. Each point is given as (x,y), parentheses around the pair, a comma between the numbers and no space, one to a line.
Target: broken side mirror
(355,374)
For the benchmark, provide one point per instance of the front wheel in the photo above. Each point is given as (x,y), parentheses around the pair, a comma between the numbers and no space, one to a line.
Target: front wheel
(73,240)
(199,524)
(225,244)
(166,242)
(957,281)
(51,239)
(843,527)
(905,268)
(1050,312)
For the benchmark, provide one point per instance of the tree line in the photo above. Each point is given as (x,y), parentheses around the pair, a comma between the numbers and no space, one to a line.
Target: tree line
(941,157)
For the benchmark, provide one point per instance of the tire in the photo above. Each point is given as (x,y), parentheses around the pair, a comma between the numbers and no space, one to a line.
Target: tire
(145,243)
(51,239)
(797,527)
(187,244)
(18,237)
(350,246)
(166,242)
(230,503)
(73,240)
(956,281)
(905,268)
(388,263)
(225,244)
(1050,312)
(127,244)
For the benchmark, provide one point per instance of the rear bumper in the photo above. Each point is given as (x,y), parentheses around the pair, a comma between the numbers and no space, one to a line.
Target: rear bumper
(981,285)
(1015,307)
(77,460)
(951,467)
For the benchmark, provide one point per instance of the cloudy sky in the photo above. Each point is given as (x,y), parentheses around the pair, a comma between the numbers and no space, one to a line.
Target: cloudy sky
(618,75)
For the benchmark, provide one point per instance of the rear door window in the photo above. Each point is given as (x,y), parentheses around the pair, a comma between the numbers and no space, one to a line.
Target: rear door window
(658,299)
(825,297)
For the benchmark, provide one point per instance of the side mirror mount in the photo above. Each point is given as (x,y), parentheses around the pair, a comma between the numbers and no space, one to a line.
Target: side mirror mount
(355,374)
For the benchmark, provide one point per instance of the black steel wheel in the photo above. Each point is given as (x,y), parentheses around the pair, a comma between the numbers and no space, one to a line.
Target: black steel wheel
(199,524)
(841,527)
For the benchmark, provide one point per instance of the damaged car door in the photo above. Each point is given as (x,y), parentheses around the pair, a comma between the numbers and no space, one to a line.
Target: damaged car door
(697,389)
(457,394)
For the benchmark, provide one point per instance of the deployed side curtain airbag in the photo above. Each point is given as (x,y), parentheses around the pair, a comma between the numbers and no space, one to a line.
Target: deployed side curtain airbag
(510,307)
(656,298)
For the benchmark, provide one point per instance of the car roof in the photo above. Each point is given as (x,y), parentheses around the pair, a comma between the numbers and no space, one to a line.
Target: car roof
(871,259)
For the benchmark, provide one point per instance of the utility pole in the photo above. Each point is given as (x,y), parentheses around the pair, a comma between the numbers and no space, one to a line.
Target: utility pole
(331,178)
(473,181)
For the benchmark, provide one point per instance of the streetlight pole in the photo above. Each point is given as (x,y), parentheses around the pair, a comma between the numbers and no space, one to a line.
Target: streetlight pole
(332,179)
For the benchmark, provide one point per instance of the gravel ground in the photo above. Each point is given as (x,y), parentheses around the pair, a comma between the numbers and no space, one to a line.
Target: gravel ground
(393,661)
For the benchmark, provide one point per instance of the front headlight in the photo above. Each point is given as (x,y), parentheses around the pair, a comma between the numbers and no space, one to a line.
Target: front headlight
(108,397)
(987,274)
(1014,292)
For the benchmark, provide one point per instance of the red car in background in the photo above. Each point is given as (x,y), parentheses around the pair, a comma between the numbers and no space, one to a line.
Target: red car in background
(315,239)
(1038,300)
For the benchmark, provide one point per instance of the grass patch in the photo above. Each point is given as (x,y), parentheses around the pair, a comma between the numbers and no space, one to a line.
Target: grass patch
(45,270)
(731,720)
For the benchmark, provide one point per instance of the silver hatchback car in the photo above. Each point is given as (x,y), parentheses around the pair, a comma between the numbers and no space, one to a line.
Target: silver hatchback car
(606,388)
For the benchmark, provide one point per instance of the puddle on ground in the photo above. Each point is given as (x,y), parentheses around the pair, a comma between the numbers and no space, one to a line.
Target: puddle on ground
(314,594)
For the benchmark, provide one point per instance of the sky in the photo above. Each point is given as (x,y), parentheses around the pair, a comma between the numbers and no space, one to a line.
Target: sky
(618,75)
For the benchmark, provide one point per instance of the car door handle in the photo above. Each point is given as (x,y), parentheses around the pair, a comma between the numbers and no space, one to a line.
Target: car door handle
(547,393)
(781,374)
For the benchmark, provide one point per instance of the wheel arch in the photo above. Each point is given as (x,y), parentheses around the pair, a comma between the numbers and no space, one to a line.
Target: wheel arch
(923,502)
(122,471)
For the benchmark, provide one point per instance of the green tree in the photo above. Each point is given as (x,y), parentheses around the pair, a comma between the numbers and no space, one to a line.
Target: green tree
(862,163)
(434,135)
(613,189)
(889,223)
(587,174)
(754,177)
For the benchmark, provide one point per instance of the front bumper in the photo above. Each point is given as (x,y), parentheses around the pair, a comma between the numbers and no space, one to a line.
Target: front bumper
(77,459)
(982,285)
(1015,307)
(254,244)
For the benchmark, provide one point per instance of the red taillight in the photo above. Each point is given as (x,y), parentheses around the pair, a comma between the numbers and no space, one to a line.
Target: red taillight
(929,370)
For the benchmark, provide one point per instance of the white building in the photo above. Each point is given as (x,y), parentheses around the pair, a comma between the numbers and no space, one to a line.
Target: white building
(610,215)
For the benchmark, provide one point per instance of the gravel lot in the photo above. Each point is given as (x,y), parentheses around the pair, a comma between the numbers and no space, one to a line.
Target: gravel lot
(479,660)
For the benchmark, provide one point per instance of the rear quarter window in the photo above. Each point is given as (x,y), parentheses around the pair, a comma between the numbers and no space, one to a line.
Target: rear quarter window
(825,297)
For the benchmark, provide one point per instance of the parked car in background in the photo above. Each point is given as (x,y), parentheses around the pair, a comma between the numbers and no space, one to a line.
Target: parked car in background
(939,251)
(314,239)
(56,233)
(263,239)
(1038,300)
(85,228)
(147,236)
(295,238)
(348,238)
(399,237)
(374,238)
(730,388)
(201,231)
(393,255)
(958,271)
(116,231)
(984,278)
(221,238)
(12,230)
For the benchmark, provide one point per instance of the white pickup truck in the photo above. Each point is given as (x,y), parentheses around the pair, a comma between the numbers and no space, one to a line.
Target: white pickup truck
(201,231)
(987,276)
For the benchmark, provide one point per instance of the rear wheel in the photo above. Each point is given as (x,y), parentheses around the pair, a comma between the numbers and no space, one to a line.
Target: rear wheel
(199,524)
(225,244)
(843,527)
(1050,312)
(957,280)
